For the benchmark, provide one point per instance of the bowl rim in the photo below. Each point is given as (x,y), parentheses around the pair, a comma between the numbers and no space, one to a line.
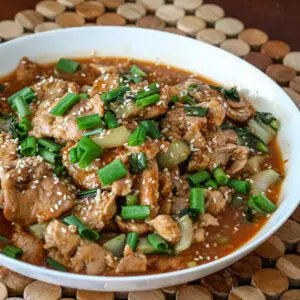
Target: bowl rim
(244,249)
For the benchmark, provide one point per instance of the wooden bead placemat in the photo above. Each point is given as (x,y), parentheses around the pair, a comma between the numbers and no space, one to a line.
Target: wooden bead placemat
(272,271)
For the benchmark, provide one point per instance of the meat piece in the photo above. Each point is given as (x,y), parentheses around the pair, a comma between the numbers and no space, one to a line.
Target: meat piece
(32,247)
(32,193)
(198,235)
(216,200)
(136,263)
(207,220)
(27,71)
(123,186)
(216,113)
(8,150)
(238,160)
(96,212)
(173,124)
(121,67)
(165,188)
(241,111)
(128,226)
(151,149)
(166,263)
(221,138)
(166,227)
(89,259)
(221,156)
(105,83)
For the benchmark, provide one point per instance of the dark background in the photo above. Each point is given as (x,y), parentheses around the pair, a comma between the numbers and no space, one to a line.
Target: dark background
(279,18)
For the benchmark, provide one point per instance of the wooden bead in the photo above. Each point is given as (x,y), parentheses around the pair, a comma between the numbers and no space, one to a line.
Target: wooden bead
(295,85)
(170,13)
(211,36)
(121,295)
(236,47)
(46,27)
(69,292)
(174,30)
(42,290)
(89,295)
(191,25)
(254,37)
(147,295)
(280,73)
(70,19)
(29,19)
(259,60)
(276,49)
(10,30)
(190,292)
(172,290)
(270,281)
(293,60)
(296,214)
(3,291)
(14,298)
(70,3)
(131,11)
(112,19)
(210,13)
(289,265)
(112,4)
(246,293)
(152,22)
(151,5)
(296,98)
(189,5)
(90,10)
(50,9)
(230,26)
(291,295)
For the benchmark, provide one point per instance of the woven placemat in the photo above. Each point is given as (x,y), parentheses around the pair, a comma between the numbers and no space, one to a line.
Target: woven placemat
(273,270)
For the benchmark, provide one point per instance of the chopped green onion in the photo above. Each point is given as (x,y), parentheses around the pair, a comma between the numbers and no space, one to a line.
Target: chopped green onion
(261,147)
(93,132)
(60,170)
(112,172)
(73,155)
(83,230)
(197,199)
(110,120)
(152,88)
(137,138)
(28,146)
(135,212)
(255,207)
(157,242)
(88,144)
(174,99)
(150,100)
(67,65)
(21,106)
(196,111)
(152,129)
(116,245)
(262,202)
(199,177)
(189,100)
(131,200)
(3,238)
(137,162)
(48,156)
(193,213)
(194,87)
(88,157)
(49,145)
(90,121)
(240,186)
(64,104)
(84,96)
(220,176)
(55,265)
(211,184)
(25,125)
(27,93)
(114,94)
(88,193)
(137,71)
(12,251)
(132,240)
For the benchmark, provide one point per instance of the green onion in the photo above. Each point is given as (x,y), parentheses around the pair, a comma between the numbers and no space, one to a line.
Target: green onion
(55,265)
(189,100)
(88,193)
(49,145)
(48,156)
(137,162)
(87,158)
(135,212)
(112,172)
(157,242)
(90,121)
(196,111)
(79,152)
(25,125)
(262,202)
(261,147)
(27,93)
(197,199)
(83,230)
(64,104)
(137,138)
(220,176)
(137,71)
(21,106)
(28,146)
(110,120)
(73,155)
(211,184)
(84,96)
(131,200)
(199,177)
(240,186)
(12,251)
(116,245)
(114,94)
(152,129)
(87,144)
(67,65)
(149,90)
(255,207)
(93,132)
(3,238)
(193,213)
(132,240)
(174,99)
(150,100)
(60,170)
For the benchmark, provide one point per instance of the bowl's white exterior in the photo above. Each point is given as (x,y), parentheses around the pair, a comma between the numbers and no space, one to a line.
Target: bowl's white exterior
(188,54)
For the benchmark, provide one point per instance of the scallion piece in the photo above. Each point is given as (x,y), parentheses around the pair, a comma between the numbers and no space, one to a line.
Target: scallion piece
(110,120)
(114,94)
(262,147)
(157,242)
(199,177)
(49,145)
(21,106)
(55,265)
(251,203)
(174,99)
(152,129)
(84,96)
(137,71)
(147,101)
(131,200)
(27,93)
(87,158)
(67,65)
(137,138)
(64,104)
(28,146)
(12,251)
(73,155)
(88,193)
(188,100)
(112,172)
(3,238)
(88,144)
(211,184)
(116,245)
(93,132)
(240,186)
(135,212)
(25,125)
(220,176)
(48,156)
(132,240)
(197,199)
(87,122)
(83,230)
(137,162)
(152,88)
(262,202)
(196,111)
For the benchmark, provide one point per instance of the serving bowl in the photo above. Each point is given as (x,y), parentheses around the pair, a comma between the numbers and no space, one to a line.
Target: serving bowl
(191,55)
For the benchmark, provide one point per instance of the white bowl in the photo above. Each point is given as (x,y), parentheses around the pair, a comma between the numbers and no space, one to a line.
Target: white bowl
(188,54)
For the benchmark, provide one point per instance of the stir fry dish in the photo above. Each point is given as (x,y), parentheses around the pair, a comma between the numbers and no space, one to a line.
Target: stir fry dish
(111,166)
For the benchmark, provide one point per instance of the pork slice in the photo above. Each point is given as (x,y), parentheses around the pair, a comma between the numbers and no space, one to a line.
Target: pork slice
(27,71)
(135,263)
